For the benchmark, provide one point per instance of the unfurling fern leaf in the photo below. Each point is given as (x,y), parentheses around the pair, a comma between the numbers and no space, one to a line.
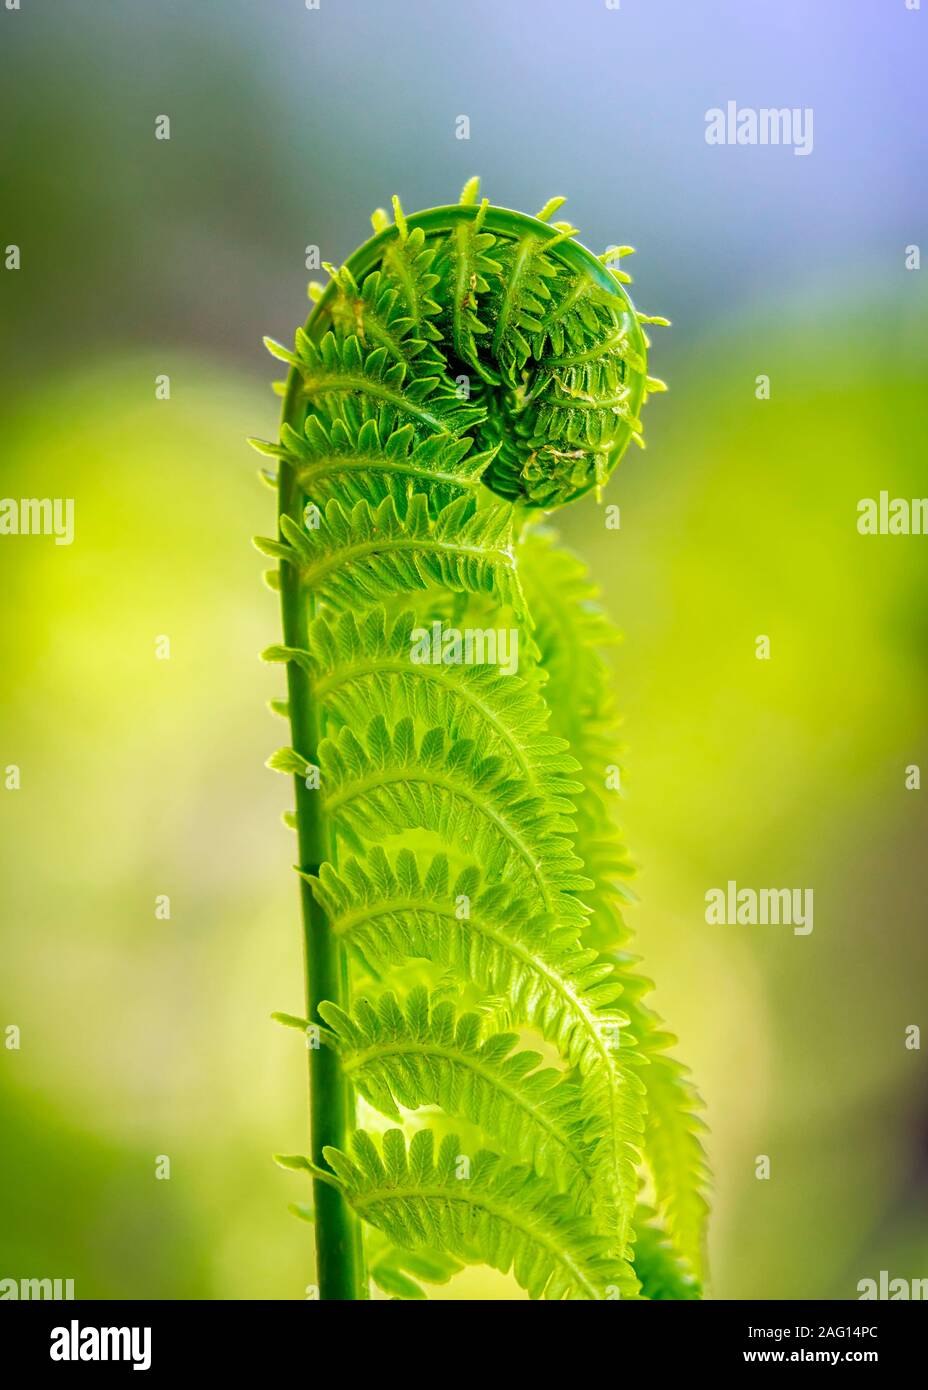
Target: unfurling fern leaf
(462,882)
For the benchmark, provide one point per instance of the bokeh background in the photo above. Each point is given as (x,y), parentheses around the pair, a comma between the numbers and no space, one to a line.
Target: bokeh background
(143,1037)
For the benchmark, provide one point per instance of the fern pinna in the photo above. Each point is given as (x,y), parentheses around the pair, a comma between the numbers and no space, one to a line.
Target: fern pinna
(487,1084)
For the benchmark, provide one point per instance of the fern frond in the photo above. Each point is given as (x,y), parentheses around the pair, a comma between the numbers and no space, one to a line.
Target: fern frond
(392,783)
(675,1153)
(392,912)
(571,636)
(378,313)
(409,262)
(463,370)
(401,1273)
(662,1273)
(360,667)
(365,464)
(464,268)
(370,553)
(425,1054)
(395,909)
(345,380)
(523,296)
(483,1211)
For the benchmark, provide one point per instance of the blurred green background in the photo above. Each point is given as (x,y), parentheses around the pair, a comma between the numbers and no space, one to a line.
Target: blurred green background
(143,1037)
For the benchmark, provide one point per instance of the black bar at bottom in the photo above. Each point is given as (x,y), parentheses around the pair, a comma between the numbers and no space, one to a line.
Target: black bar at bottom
(274,1339)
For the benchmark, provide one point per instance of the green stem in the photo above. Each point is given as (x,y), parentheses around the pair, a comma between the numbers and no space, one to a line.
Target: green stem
(339,1260)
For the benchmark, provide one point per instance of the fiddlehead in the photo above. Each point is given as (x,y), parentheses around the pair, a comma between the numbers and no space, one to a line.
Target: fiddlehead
(468,369)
